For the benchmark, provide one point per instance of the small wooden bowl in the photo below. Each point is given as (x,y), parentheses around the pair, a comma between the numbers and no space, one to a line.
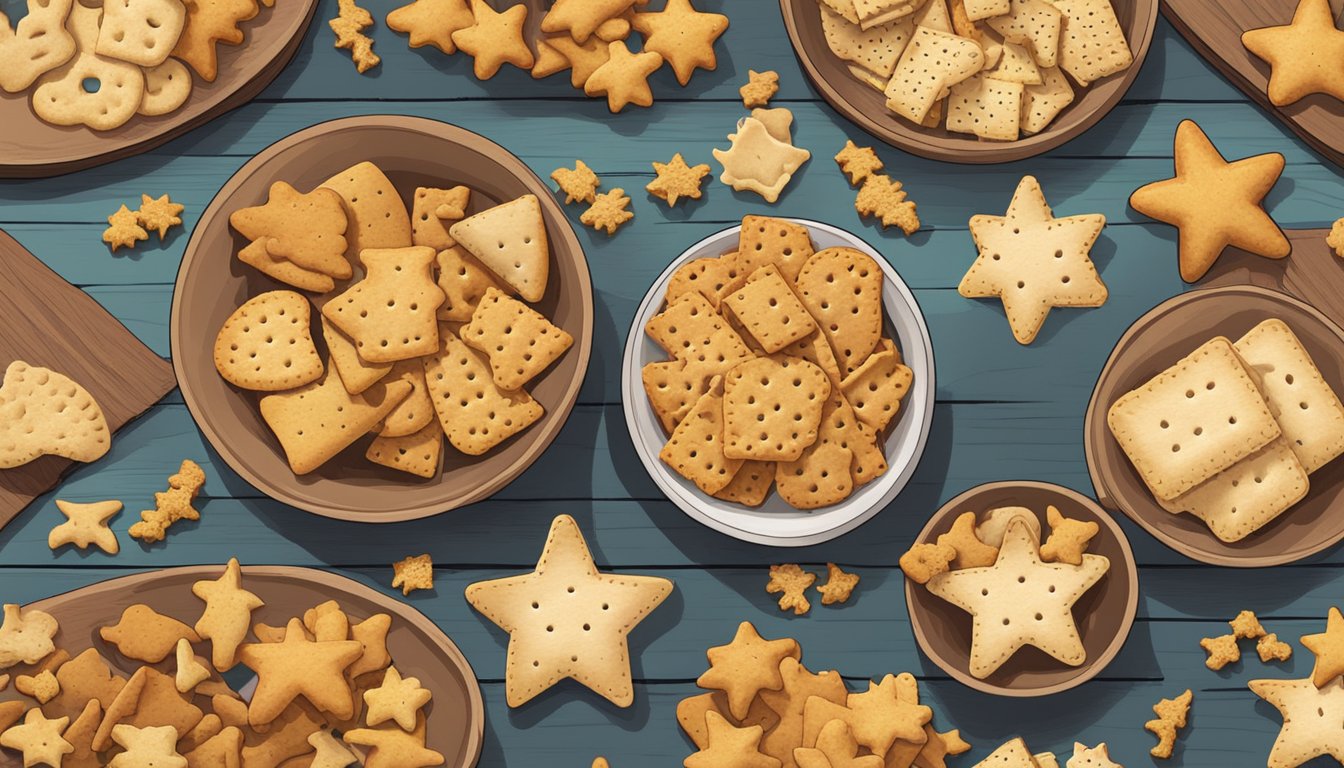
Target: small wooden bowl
(865,107)
(1104,614)
(455,717)
(1154,342)
(212,283)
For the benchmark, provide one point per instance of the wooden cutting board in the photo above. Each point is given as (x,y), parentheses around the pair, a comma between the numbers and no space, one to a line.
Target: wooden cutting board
(48,322)
(1312,273)
(1214,29)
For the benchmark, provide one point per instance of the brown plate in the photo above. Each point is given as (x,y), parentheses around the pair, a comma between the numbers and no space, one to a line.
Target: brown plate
(866,108)
(212,284)
(51,323)
(456,715)
(1104,614)
(1169,332)
(1214,30)
(31,148)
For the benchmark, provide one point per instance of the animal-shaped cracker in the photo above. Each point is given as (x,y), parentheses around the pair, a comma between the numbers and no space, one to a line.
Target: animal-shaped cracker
(306,229)
(38,44)
(85,525)
(145,635)
(1271,648)
(758,162)
(924,561)
(265,345)
(971,551)
(388,746)
(510,240)
(885,199)
(1221,650)
(1171,716)
(412,573)
(43,413)
(790,582)
(150,746)
(839,585)
(141,32)
(210,22)
(1068,537)
(578,183)
(191,670)
(760,88)
(61,97)
(171,505)
(227,615)
(25,636)
(43,686)
(391,313)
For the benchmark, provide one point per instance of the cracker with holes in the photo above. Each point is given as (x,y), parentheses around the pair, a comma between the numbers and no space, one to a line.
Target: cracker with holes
(696,448)
(772,408)
(391,313)
(767,240)
(38,44)
(1248,495)
(319,420)
(876,388)
(510,240)
(519,341)
(141,32)
(46,413)
(419,453)
(770,310)
(475,414)
(932,63)
(842,288)
(672,387)
(433,210)
(61,97)
(265,345)
(1092,43)
(989,107)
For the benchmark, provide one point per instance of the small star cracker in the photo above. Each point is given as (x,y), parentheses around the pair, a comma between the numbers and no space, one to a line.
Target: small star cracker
(677,180)
(1222,650)
(727,746)
(882,197)
(790,582)
(624,78)
(86,524)
(1311,717)
(608,211)
(1297,53)
(1336,238)
(684,36)
(1171,716)
(413,573)
(348,26)
(398,698)
(495,39)
(38,739)
(124,229)
(839,585)
(1033,261)
(1329,649)
(580,183)
(858,163)
(160,214)
(760,88)
(747,666)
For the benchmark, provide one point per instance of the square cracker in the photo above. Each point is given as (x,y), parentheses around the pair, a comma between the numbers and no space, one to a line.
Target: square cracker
(987,107)
(1307,409)
(1041,104)
(1092,43)
(1193,420)
(519,341)
(474,413)
(772,408)
(766,240)
(1035,24)
(770,310)
(695,449)
(931,64)
(875,49)
(1248,495)
(985,9)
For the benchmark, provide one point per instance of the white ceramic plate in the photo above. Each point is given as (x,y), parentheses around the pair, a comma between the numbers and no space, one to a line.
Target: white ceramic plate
(776,523)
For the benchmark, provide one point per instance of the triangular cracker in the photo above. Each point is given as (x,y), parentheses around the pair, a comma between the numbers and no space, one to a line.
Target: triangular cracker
(510,240)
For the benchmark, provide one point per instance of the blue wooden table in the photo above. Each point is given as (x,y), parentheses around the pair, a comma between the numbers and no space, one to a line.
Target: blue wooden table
(1003,411)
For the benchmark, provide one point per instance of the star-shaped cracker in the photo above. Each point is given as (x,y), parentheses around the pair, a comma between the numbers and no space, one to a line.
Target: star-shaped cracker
(1020,601)
(495,39)
(839,585)
(391,747)
(581,18)
(227,615)
(1311,718)
(38,739)
(398,698)
(412,573)
(858,163)
(883,714)
(1091,757)
(1214,203)
(884,198)
(1336,238)
(608,211)
(432,22)
(159,214)
(86,524)
(568,620)
(760,88)
(578,183)
(676,180)
(758,162)
(727,746)
(1329,649)
(836,748)
(1298,53)
(1034,261)
(1221,650)
(150,747)
(747,666)
(790,582)
(296,667)
(349,26)
(124,229)
(624,78)
(684,36)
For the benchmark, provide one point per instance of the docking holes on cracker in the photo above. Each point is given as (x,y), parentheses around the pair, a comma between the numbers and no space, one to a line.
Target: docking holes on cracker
(410,324)
(755,393)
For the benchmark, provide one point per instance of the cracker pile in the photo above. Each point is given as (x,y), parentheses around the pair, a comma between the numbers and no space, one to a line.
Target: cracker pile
(766,709)
(137,52)
(1019,591)
(1016,754)
(326,689)
(780,372)
(433,336)
(1231,432)
(589,39)
(995,69)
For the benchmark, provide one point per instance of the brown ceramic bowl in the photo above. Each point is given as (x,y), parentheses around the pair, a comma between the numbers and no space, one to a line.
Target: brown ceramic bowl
(30,147)
(455,716)
(1104,614)
(865,107)
(1154,342)
(212,284)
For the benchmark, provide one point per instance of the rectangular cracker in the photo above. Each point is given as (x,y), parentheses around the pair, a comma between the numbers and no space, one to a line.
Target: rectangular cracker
(1307,409)
(931,64)
(691,329)
(986,107)
(1041,104)
(824,473)
(474,413)
(519,341)
(319,420)
(418,453)
(1035,24)
(985,9)
(767,240)
(695,450)
(751,485)
(877,387)
(875,50)
(1248,495)
(1193,420)
(874,13)
(1092,43)
(770,311)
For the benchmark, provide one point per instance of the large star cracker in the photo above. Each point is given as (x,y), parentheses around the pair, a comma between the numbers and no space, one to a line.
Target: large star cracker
(1303,56)
(1034,261)
(1020,600)
(568,620)
(1311,718)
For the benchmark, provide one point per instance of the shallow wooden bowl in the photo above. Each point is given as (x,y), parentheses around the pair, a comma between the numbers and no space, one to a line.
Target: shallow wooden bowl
(1104,614)
(212,284)
(455,716)
(866,108)
(1154,342)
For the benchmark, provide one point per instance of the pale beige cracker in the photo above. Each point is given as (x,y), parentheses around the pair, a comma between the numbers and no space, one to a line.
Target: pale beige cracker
(167,87)
(986,107)
(934,15)
(391,313)
(61,98)
(416,410)
(1193,420)
(1307,408)
(1041,104)
(474,413)
(772,408)
(929,66)
(751,485)
(36,45)
(994,524)
(875,50)
(510,240)
(418,453)
(265,345)
(1015,65)
(845,10)
(842,288)
(1092,43)
(1035,24)
(378,217)
(874,13)
(696,448)
(141,32)
(690,329)
(767,240)
(357,374)
(519,341)
(770,310)
(431,208)
(985,9)
(321,419)
(877,387)
(758,162)
(1248,495)
(43,412)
